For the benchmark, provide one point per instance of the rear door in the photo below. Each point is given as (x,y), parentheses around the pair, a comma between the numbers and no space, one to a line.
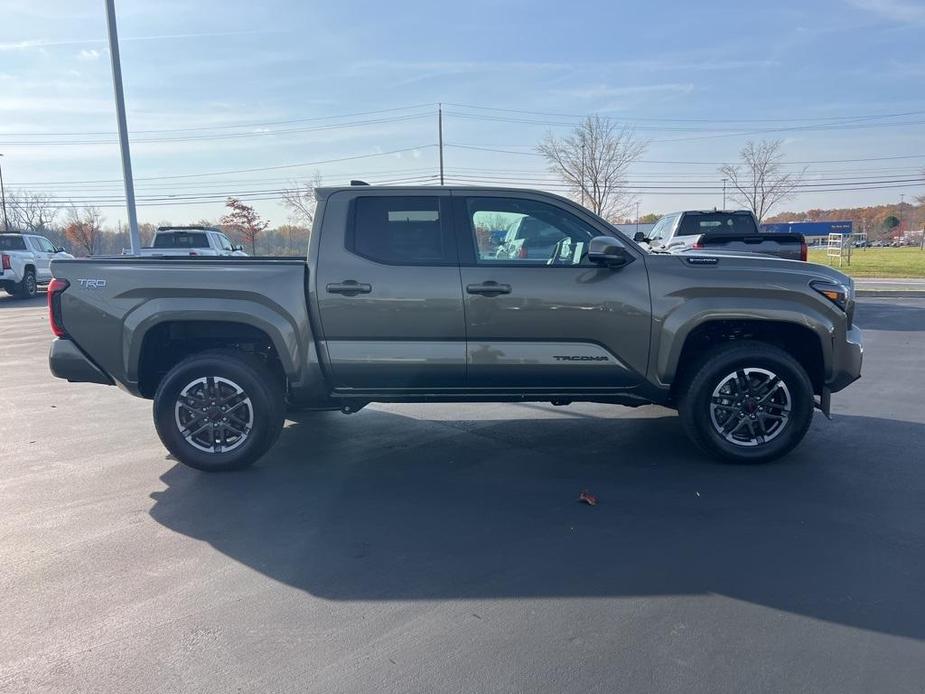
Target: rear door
(388,292)
(539,315)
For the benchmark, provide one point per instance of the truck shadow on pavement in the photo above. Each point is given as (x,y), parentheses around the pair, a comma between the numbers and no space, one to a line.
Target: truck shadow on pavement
(382,506)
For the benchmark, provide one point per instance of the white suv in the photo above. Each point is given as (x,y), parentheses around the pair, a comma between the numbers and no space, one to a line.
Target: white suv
(25,263)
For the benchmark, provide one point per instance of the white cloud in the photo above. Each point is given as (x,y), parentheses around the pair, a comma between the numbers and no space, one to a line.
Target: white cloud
(896,10)
(599,91)
(88,54)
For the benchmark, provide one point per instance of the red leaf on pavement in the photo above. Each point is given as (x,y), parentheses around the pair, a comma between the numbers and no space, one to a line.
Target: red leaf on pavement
(587,497)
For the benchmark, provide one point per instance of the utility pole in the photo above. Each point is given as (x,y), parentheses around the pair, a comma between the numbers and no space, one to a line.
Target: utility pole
(637,216)
(902,216)
(724,193)
(123,128)
(6,221)
(440,137)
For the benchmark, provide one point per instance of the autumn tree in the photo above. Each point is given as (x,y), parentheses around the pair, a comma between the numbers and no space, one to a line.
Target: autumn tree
(83,229)
(593,161)
(299,199)
(244,219)
(760,180)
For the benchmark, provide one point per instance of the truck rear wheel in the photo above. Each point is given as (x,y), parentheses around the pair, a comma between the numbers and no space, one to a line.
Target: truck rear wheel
(747,402)
(219,410)
(28,286)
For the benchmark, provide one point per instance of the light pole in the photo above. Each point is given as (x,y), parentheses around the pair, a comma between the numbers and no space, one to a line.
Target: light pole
(6,221)
(637,216)
(123,128)
(724,193)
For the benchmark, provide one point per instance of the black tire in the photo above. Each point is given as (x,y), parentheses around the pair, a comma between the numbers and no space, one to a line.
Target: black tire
(715,397)
(260,404)
(27,287)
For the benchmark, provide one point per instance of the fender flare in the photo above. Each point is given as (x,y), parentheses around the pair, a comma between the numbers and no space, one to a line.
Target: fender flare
(283,333)
(693,313)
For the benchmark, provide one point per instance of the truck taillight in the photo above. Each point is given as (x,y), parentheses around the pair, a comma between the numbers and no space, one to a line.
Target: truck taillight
(804,250)
(5,261)
(697,246)
(55,287)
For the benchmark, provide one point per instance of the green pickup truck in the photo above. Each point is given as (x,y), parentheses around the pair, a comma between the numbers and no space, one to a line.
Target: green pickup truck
(458,295)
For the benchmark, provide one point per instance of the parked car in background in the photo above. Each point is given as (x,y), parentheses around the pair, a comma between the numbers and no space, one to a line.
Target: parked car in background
(25,263)
(721,230)
(191,240)
(403,297)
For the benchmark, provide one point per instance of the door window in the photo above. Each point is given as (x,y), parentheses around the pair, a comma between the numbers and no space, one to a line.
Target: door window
(525,232)
(45,245)
(224,242)
(400,231)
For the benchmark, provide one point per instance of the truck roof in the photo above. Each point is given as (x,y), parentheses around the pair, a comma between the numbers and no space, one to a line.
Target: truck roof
(188,228)
(325,191)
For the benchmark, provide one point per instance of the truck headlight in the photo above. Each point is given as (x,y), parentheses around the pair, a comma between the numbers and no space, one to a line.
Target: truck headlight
(835,292)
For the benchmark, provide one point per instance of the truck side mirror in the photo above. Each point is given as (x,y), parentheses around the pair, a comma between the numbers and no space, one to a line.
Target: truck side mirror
(608,251)
(640,237)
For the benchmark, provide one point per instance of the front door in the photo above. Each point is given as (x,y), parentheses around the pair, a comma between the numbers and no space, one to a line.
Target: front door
(539,315)
(43,252)
(388,295)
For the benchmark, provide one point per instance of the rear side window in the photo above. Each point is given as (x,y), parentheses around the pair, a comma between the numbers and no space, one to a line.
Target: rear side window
(400,231)
(12,243)
(693,224)
(181,239)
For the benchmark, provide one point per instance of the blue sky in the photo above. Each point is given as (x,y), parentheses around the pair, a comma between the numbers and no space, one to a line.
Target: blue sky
(245,86)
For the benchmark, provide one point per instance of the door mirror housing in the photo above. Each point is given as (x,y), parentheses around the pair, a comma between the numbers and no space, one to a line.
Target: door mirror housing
(640,237)
(608,251)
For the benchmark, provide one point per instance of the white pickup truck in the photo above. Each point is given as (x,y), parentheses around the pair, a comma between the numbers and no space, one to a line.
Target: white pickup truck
(191,240)
(25,261)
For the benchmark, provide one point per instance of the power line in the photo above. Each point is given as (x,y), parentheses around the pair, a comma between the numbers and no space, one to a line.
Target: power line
(252,124)
(694,120)
(496,148)
(261,168)
(222,136)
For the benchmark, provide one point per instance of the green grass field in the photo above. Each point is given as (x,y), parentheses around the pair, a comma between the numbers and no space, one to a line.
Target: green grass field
(877,262)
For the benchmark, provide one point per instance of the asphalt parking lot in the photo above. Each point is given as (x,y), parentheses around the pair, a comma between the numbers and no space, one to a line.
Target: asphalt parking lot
(441,548)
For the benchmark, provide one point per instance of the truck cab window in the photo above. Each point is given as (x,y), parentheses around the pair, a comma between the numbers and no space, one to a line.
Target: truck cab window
(400,231)
(508,230)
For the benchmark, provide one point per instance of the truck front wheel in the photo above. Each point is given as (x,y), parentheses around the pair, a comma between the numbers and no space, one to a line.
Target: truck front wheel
(747,402)
(219,410)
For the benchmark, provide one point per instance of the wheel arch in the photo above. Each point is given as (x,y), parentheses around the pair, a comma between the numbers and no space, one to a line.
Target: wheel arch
(804,342)
(162,331)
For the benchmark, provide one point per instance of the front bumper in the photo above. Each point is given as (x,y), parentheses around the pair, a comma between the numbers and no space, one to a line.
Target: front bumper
(67,361)
(847,357)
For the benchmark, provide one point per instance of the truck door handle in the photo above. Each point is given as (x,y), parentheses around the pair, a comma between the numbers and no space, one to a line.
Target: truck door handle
(489,288)
(349,288)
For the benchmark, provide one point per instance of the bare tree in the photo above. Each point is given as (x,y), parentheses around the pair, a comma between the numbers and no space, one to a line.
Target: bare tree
(760,181)
(593,162)
(32,212)
(84,229)
(299,199)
